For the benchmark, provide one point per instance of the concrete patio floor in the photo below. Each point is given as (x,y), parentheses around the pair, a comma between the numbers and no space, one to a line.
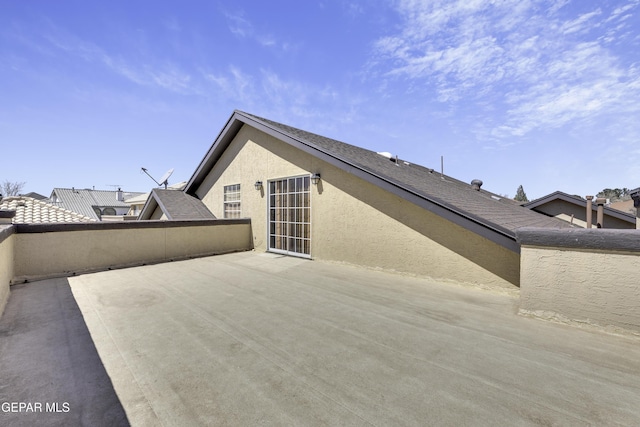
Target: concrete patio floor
(248,338)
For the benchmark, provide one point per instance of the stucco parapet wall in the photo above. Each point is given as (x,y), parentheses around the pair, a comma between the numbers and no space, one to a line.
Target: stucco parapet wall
(124,225)
(59,250)
(589,239)
(6,231)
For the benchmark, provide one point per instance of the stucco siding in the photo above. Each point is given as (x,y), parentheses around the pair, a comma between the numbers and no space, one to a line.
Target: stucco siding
(354,221)
(6,265)
(158,214)
(593,287)
(66,252)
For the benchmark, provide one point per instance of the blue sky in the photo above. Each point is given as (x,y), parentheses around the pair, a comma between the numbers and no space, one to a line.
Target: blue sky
(540,93)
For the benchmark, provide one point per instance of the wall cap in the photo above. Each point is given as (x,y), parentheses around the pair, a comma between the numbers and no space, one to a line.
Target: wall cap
(124,225)
(581,238)
(6,231)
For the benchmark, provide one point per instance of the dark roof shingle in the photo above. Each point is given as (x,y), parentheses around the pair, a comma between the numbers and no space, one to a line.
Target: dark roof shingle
(459,197)
(176,205)
(481,212)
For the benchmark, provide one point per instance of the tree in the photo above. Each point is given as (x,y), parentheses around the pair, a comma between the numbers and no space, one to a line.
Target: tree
(521,196)
(614,194)
(11,188)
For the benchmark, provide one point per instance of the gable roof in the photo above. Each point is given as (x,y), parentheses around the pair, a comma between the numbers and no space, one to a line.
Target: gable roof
(579,201)
(479,211)
(84,200)
(34,195)
(142,198)
(32,211)
(176,205)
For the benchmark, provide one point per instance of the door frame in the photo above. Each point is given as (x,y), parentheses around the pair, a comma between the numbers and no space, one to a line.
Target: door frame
(268,230)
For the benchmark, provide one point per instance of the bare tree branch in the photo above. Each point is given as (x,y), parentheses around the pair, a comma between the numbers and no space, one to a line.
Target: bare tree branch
(11,188)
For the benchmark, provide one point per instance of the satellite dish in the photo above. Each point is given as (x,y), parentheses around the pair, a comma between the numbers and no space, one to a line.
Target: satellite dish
(164,180)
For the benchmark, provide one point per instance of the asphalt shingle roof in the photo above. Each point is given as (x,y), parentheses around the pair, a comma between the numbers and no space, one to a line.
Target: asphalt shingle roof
(176,205)
(482,206)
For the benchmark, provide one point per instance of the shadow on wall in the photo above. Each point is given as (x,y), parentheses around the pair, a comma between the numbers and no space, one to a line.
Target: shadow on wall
(48,359)
(490,256)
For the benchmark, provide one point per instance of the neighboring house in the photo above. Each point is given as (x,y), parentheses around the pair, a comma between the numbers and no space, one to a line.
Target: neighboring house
(137,203)
(94,204)
(573,209)
(315,197)
(635,196)
(29,210)
(625,206)
(34,195)
(173,205)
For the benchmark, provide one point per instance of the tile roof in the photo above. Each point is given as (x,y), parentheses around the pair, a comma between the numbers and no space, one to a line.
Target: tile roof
(176,205)
(480,211)
(83,201)
(32,211)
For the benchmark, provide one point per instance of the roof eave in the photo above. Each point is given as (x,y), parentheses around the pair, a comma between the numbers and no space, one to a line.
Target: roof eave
(492,232)
(559,195)
(226,135)
(149,206)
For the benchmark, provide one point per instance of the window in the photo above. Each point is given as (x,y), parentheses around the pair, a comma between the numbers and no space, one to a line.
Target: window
(232,201)
(290,216)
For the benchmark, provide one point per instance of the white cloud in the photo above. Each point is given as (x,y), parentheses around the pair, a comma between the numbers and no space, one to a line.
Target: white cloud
(542,63)
(238,25)
(233,84)
(581,23)
(293,101)
(243,28)
(168,76)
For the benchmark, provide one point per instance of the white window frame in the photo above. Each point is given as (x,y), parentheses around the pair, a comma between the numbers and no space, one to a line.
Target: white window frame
(232,201)
(297,234)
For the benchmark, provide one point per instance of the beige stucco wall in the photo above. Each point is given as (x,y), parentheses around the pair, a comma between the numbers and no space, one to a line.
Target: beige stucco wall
(158,214)
(599,288)
(354,221)
(66,252)
(6,268)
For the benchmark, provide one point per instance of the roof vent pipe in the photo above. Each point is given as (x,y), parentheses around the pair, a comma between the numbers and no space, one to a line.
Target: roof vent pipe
(476,184)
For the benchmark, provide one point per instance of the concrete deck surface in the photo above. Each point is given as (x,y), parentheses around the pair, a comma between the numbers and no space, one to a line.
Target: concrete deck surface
(259,339)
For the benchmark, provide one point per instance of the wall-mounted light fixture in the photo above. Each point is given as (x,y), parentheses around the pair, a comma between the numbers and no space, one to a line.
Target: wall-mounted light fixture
(258,185)
(315,178)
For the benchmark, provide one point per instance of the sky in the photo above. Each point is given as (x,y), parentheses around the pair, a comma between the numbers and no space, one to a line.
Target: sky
(543,94)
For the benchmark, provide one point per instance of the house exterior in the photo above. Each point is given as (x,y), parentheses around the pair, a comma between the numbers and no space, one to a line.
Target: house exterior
(29,210)
(573,209)
(96,204)
(136,203)
(173,205)
(315,197)
(635,196)
(626,206)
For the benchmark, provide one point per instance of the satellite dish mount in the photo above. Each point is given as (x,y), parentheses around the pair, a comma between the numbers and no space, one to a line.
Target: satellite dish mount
(163,181)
